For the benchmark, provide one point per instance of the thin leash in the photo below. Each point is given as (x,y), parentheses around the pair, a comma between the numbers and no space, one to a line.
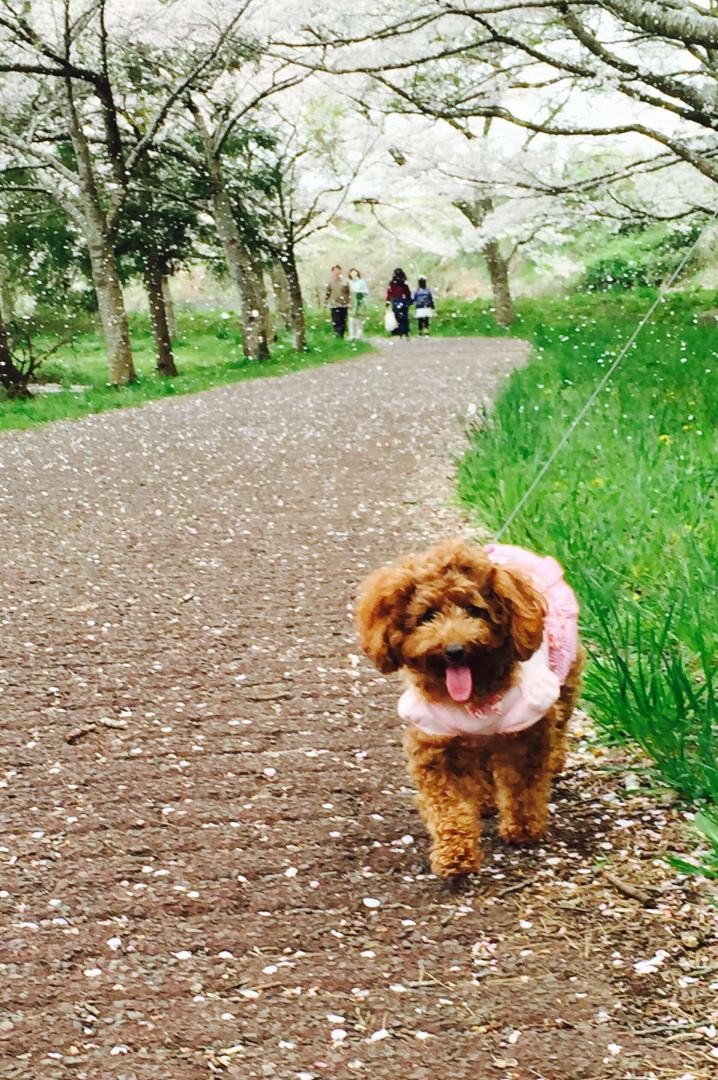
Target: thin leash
(607,375)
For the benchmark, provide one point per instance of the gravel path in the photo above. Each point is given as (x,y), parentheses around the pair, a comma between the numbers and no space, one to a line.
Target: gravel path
(203,792)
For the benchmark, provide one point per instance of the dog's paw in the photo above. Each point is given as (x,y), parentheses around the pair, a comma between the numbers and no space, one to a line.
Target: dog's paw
(455,860)
(522,832)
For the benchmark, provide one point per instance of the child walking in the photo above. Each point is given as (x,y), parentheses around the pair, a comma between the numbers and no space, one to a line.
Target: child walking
(424,307)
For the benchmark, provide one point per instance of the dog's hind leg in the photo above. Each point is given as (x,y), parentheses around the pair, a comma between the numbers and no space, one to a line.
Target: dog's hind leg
(522,770)
(448,802)
(563,711)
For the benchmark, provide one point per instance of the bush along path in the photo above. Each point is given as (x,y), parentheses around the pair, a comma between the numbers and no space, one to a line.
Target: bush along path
(212,861)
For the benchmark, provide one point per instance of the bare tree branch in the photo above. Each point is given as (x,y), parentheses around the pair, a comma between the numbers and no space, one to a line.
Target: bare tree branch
(685,26)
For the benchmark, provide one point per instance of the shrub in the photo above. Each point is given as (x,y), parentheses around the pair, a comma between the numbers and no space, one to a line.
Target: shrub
(643,259)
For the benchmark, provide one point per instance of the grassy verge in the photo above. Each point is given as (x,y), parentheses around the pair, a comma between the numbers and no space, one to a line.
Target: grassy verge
(629,507)
(208,352)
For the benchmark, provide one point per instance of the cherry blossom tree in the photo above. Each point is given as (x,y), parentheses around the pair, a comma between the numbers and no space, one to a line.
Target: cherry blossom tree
(551,67)
(636,79)
(314,152)
(65,121)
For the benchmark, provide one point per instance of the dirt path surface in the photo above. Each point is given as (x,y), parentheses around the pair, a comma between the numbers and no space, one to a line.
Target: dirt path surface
(211,862)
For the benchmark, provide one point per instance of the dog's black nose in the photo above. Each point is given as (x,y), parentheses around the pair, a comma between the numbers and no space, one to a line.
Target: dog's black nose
(455,654)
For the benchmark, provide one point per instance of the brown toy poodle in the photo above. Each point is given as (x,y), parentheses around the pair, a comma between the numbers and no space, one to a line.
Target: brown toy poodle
(486,639)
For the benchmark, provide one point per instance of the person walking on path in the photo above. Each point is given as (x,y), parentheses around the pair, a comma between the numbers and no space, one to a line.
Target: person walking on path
(424,307)
(398,296)
(358,291)
(338,298)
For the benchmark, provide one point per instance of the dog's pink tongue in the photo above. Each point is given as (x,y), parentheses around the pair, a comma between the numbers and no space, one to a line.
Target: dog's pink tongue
(458,683)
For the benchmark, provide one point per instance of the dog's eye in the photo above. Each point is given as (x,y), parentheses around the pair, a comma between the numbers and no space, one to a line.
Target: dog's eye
(428,615)
(476,612)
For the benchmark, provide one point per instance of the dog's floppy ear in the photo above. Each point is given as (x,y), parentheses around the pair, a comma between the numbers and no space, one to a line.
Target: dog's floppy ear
(524,606)
(381,602)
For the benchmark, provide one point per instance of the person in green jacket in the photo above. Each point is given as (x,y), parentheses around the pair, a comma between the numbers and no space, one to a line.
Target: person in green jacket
(338,298)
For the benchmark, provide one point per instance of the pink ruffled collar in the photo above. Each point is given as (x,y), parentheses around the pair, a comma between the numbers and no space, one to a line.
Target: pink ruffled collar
(540,678)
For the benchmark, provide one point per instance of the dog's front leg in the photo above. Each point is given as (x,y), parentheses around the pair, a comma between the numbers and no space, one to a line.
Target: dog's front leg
(521,767)
(447,801)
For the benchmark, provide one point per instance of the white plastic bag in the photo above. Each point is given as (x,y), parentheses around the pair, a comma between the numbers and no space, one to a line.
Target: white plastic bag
(390,322)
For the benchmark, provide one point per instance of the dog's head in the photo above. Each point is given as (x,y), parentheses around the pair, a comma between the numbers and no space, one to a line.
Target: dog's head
(456,622)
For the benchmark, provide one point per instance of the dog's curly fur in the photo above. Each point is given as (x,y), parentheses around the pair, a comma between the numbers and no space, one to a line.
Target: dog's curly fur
(407,614)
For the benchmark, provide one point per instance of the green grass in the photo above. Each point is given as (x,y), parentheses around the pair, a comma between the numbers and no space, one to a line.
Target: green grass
(629,507)
(208,352)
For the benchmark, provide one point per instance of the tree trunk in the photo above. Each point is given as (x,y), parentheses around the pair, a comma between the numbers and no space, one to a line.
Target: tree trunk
(297,320)
(498,269)
(269,319)
(280,288)
(111,308)
(110,302)
(7,298)
(239,260)
(476,211)
(11,378)
(254,308)
(239,264)
(169,307)
(260,287)
(158,315)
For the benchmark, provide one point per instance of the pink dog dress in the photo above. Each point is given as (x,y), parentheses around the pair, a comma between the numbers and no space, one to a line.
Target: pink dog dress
(540,678)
